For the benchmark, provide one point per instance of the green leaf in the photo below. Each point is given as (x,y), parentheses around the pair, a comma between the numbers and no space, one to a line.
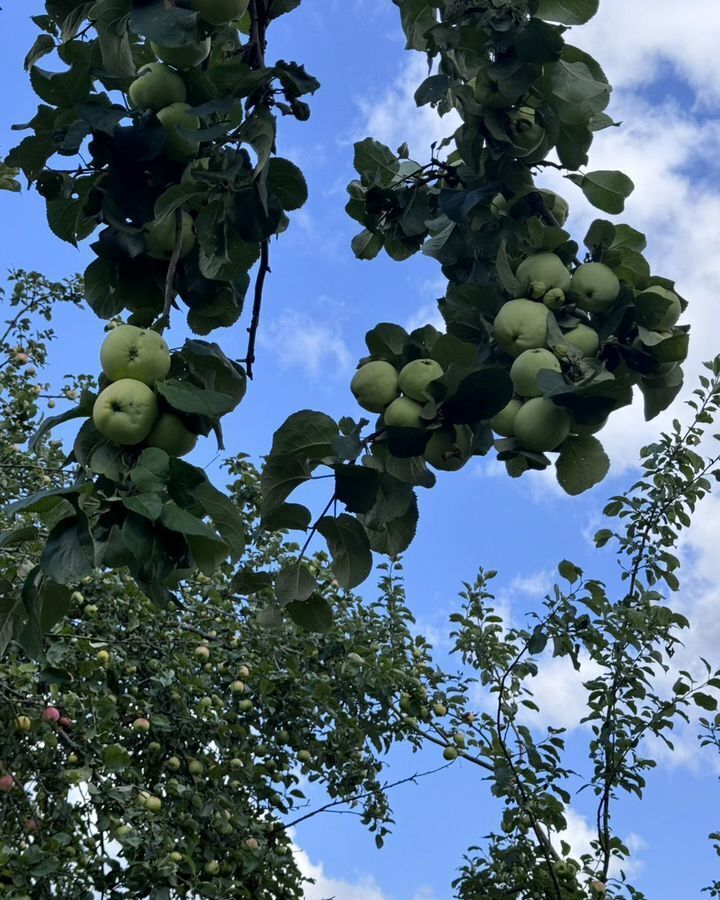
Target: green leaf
(705,701)
(152,470)
(208,553)
(418,17)
(294,582)
(314,614)
(55,603)
(248,581)
(607,190)
(148,505)
(215,370)
(582,463)
(12,617)
(357,487)
(659,393)
(366,244)
(349,547)
(168,25)
(387,341)
(288,516)
(115,758)
(375,162)
(188,398)
(43,45)
(69,554)
(306,434)
(569,571)
(393,537)
(225,516)
(567,12)
(287,182)
(258,130)
(43,501)
(176,518)
(81,410)
(280,476)
(18,536)
(479,395)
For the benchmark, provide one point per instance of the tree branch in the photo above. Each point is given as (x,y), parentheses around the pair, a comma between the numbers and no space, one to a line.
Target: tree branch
(257,305)
(164,321)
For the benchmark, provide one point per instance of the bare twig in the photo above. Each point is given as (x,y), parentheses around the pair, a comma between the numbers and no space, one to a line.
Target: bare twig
(164,320)
(257,305)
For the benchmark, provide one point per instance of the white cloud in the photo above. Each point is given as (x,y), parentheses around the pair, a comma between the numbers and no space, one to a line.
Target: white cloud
(301,341)
(579,833)
(394,117)
(327,888)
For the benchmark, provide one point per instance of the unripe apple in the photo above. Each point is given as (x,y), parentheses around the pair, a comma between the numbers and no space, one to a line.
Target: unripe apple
(186,57)
(72,759)
(178,147)
(205,703)
(6,783)
(304,756)
(554,299)
(103,657)
(156,87)
(597,287)
(176,857)
(237,687)
(450,754)
(585,338)
(449,448)
(90,609)
(173,763)
(51,714)
(141,724)
(503,423)
(243,671)
(212,867)
(125,411)
(403,413)
(23,723)
(527,367)
(375,385)
(160,240)
(521,325)
(439,709)
(245,705)
(133,353)
(541,426)
(202,652)
(122,830)
(76,597)
(547,268)
(195,767)
(416,376)
(251,843)
(236,763)
(556,204)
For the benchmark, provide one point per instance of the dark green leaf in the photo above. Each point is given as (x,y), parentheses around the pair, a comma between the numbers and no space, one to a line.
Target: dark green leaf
(314,614)
(305,434)
(582,463)
(349,547)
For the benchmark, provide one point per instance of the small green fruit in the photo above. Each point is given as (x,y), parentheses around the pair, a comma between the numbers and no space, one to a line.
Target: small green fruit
(417,375)
(449,448)
(403,413)
(170,434)
(450,754)
(174,117)
(521,325)
(129,352)
(541,425)
(503,423)
(160,237)
(375,385)
(545,267)
(597,287)
(585,338)
(125,411)
(526,368)
(186,57)
(156,86)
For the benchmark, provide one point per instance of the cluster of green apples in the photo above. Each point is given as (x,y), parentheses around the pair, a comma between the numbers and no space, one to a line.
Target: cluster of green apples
(521,329)
(400,397)
(160,88)
(127,412)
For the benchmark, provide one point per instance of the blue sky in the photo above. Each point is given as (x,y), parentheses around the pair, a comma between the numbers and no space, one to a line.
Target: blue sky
(319,304)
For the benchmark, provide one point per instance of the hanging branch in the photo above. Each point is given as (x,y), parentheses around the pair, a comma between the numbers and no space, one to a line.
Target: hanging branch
(257,305)
(164,321)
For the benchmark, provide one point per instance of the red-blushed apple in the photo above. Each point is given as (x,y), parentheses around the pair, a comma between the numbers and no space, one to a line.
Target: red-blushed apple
(141,724)
(65,722)
(51,714)
(6,783)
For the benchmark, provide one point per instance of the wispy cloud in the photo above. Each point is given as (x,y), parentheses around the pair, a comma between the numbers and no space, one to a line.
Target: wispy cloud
(301,341)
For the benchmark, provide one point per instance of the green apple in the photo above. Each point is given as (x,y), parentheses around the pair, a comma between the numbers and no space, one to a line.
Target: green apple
(541,425)
(195,767)
(597,287)
(527,366)
(403,413)
(160,236)
(554,298)
(23,723)
(218,12)
(521,325)
(556,204)
(202,652)
(585,338)
(169,434)
(123,830)
(527,135)
(212,867)
(129,352)
(486,90)
(173,763)
(449,448)
(141,724)
(503,423)
(417,375)
(545,268)
(674,310)
(304,756)
(125,411)
(375,385)
(176,857)
(450,754)
(186,57)
(174,117)
(156,86)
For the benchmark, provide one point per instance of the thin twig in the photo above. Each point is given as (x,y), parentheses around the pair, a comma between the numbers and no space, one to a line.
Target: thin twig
(257,305)
(164,320)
